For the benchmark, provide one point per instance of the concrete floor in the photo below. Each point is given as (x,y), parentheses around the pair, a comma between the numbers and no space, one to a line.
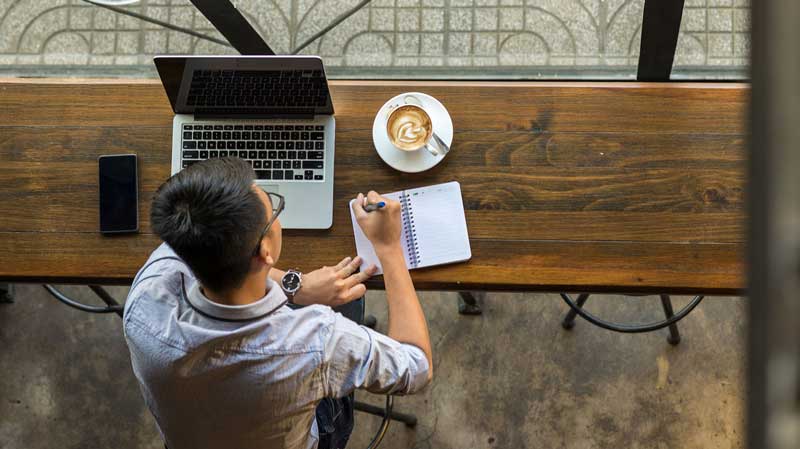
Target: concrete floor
(511,378)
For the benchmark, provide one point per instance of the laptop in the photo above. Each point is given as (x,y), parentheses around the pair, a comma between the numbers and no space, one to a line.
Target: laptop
(275,112)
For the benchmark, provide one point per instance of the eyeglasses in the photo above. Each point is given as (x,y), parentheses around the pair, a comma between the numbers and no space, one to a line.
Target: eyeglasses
(278,204)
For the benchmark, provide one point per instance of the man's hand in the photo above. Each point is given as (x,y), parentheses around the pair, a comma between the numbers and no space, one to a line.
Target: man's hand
(382,227)
(334,286)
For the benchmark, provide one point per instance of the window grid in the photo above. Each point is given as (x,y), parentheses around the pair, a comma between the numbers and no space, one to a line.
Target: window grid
(406,38)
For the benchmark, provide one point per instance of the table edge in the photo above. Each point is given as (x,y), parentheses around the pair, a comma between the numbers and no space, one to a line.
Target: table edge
(398,83)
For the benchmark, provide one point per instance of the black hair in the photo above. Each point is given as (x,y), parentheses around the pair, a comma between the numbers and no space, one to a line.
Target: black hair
(209,214)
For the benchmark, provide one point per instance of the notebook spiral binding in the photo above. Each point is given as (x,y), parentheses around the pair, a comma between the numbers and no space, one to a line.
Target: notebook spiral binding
(409,228)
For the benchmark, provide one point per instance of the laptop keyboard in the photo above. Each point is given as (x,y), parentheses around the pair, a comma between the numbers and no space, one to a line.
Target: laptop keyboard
(253,88)
(288,152)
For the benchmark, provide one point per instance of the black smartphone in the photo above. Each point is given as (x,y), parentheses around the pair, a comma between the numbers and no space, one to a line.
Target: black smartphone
(119,193)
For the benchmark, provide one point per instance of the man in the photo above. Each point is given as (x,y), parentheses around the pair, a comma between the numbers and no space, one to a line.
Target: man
(221,359)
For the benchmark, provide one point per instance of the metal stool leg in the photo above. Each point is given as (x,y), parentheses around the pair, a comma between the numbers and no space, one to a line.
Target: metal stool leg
(674,336)
(409,420)
(670,321)
(107,298)
(469,304)
(569,320)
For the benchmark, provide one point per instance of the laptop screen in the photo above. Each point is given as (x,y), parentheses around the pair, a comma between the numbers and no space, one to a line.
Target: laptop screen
(245,86)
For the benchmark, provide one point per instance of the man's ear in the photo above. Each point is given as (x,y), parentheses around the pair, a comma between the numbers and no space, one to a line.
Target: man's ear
(264,255)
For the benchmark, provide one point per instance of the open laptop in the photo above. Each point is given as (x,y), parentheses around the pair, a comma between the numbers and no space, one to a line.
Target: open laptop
(273,111)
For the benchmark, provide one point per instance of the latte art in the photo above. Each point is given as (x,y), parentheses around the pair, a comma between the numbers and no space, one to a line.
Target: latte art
(409,127)
(410,133)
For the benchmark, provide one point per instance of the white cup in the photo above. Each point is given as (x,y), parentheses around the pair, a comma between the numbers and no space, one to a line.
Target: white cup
(433,143)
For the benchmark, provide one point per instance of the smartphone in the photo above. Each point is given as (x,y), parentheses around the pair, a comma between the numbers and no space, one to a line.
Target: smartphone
(119,193)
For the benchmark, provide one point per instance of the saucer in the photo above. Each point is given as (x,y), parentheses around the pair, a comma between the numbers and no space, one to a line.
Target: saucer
(412,161)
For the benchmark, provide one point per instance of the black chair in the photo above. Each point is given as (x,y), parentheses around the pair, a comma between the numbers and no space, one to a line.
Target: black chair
(353,310)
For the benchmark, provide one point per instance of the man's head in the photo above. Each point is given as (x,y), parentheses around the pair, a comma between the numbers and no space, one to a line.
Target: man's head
(213,215)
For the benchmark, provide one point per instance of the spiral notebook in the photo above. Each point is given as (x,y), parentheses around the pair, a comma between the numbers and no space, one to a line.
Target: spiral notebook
(434,227)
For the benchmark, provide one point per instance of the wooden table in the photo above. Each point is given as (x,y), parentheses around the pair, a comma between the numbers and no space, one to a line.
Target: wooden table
(619,187)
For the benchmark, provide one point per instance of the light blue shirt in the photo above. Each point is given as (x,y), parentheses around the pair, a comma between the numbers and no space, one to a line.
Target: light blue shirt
(217,376)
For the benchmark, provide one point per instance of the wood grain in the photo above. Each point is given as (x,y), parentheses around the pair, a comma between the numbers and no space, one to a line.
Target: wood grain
(598,187)
(537,265)
(533,107)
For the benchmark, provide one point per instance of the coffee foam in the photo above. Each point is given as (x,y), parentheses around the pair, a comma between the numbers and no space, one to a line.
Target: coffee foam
(409,127)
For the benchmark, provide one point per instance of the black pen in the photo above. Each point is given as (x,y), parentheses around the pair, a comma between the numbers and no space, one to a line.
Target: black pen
(371,207)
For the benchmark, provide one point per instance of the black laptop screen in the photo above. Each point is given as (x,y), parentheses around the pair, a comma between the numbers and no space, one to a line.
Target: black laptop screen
(247,86)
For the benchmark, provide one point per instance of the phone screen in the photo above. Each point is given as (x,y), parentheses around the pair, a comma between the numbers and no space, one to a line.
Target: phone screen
(119,210)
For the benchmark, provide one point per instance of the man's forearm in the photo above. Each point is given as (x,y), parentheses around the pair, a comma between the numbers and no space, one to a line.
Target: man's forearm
(406,320)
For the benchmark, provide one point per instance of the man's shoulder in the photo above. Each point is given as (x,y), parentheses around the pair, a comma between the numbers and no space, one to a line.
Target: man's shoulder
(157,286)
(162,259)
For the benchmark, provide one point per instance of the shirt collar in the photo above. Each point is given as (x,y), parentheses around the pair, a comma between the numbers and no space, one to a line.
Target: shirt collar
(272,301)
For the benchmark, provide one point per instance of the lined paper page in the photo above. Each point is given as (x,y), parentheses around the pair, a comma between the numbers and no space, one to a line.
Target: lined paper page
(441,228)
(364,247)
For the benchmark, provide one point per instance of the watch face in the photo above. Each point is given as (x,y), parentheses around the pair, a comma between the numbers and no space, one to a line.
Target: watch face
(291,281)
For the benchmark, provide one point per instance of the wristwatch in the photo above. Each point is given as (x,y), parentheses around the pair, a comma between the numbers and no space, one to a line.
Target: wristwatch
(291,283)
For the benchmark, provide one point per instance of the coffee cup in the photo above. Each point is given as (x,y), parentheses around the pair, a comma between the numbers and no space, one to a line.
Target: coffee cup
(409,127)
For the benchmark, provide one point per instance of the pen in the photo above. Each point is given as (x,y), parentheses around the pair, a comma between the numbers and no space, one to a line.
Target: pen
(370,207)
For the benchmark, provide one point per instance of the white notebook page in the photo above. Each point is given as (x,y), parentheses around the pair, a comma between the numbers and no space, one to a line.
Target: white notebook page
(439,224)
(441,228)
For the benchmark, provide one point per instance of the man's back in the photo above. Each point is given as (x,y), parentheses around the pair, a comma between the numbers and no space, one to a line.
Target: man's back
(249,376)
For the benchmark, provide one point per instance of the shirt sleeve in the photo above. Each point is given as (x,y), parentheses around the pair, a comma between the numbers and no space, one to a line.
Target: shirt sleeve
(358,357)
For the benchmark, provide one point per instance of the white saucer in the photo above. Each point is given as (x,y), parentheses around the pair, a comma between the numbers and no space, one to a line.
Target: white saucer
(412,161)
